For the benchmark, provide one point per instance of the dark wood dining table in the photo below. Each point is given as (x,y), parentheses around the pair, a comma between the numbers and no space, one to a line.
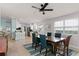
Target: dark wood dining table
(54,41)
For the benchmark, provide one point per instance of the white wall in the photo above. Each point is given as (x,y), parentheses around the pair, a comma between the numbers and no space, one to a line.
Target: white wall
(74,42)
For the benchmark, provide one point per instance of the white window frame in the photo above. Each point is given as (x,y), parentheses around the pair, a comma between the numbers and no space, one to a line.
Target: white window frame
(66,26)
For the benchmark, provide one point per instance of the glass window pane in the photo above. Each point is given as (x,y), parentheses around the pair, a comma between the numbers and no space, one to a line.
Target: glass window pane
(70,26)
(58,24)
(59,30)
(72,29)
(72,22)
(71,32)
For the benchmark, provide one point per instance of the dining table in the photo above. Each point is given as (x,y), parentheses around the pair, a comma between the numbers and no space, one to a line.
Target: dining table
(55,41)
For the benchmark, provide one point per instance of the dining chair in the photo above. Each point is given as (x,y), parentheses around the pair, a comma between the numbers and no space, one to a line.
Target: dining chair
(49,33)
(44,44)
(58,35)
(35,40)
(64,47)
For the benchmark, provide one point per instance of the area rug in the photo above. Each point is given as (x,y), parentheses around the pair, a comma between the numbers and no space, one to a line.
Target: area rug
(36,52)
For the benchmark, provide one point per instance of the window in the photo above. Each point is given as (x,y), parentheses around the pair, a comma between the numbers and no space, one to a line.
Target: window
(71,26)
(58,26)
(66,26)
(71,23)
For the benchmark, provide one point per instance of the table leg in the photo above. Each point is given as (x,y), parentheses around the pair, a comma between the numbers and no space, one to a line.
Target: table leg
(55,49)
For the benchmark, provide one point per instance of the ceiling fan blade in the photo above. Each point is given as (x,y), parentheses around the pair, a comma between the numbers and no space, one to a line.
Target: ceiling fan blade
(48,10)
(35,7)
(46,3)
(43,7)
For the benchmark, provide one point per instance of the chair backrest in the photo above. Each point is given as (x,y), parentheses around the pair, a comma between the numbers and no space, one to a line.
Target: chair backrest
(58,35)
(67,40)
(43,41)
(33,38)
(49,33)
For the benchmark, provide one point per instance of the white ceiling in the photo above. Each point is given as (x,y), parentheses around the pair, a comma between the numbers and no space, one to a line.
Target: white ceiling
(26,14)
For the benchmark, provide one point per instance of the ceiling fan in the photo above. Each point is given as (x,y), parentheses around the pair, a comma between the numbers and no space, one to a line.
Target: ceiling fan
(43,8)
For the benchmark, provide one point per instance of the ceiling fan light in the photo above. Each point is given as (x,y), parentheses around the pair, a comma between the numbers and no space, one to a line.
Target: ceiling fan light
(43,13)
(41,5)
(48,10)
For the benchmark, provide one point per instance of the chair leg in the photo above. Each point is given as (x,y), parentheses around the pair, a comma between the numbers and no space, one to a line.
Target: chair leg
(32,44)
(35,46)
(40,49)
(51,49)
(64,52)
(46,53)
(67,51)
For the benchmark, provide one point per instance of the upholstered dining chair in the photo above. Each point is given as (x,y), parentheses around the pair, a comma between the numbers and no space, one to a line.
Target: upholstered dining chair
(64,47)
(35,41)
(49,33)
(43,44)
(58,35)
